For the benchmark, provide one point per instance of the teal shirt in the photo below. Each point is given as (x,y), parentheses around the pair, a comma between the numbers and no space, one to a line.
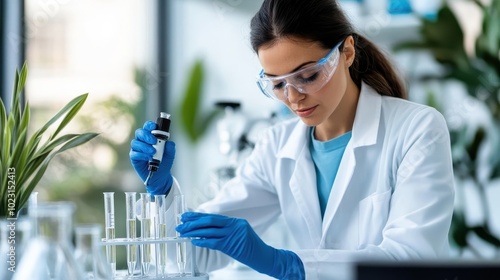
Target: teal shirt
(326,157)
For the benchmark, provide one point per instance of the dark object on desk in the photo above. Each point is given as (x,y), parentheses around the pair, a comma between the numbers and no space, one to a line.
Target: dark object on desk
(438,270)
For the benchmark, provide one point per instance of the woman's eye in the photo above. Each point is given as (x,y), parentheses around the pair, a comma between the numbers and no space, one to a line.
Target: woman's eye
(278,86)
(308,78)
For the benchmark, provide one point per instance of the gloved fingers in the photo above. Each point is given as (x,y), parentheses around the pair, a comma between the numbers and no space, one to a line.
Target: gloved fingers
(149,126)
(202,223)
(208,233)
(154,189)
(145,136)
(186,216)
(205,219)
(138,156)
(141,147)
(169,151)
(213,244)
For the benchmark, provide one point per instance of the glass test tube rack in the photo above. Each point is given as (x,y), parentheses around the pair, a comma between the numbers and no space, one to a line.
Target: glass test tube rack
(191,274)
(153,235)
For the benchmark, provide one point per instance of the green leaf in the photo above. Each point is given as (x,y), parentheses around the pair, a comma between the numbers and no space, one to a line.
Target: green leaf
(80,100)
(22,128)
(7,139)
(19,83)
(191,101)
(29,169)
(79,140)
(207,120)
(22,79)
(459,229)
(49,146)
(37,157)
(486,235)
(443,37)
(3,126)
(432,101)
(15,95)
(18,149)
(475,145)
(61,112)
(31,147)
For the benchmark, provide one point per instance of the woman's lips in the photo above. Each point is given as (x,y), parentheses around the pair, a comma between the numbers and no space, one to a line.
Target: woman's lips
(305,112)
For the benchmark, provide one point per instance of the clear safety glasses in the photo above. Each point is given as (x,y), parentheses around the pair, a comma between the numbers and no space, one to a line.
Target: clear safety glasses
(306,81)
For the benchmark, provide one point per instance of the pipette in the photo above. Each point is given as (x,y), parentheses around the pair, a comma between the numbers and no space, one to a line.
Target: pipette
(162,134)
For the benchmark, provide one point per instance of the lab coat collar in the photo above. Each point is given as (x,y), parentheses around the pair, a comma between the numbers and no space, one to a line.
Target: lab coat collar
(366,123)
(365,127)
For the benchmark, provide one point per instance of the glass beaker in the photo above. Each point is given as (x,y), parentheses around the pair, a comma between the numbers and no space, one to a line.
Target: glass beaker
(89,254)
(51,251)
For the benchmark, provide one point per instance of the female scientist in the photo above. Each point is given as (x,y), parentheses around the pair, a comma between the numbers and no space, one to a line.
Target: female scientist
(360,173)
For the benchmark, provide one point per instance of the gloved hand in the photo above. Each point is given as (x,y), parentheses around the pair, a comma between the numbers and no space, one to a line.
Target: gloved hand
(236,238)
(142,152)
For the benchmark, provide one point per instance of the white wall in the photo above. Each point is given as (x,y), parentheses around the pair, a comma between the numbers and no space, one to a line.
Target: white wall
(218,33)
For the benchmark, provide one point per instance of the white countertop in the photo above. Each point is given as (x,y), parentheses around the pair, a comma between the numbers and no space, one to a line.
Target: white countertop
(239,272)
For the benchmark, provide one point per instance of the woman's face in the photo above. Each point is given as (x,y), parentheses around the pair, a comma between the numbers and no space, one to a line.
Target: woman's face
(288,55)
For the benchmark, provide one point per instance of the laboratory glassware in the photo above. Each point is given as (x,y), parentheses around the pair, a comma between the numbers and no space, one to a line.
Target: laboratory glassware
(109,212)
(153,234)
(146,232)
(15,235)
(161,233)
(131,224)
(179,208)
(51,251)
(88,253)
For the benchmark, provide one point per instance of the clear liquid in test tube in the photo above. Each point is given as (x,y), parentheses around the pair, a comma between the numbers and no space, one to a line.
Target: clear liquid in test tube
(109,212)
(161,227)
(130,204)
(180,207)
(146,232)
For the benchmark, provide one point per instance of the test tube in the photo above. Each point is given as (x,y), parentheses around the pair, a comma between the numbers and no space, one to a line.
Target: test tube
(180,207)
(109,209)
(146,232)
(130,200)
(161,226)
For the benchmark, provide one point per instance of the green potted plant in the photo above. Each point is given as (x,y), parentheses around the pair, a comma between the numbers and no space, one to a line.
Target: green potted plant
(24,159)
(479,73)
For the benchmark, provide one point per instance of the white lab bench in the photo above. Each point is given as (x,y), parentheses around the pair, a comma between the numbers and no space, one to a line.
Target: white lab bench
(240,273)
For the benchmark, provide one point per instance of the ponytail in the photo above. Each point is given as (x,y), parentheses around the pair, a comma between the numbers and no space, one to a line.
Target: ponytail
(372,67)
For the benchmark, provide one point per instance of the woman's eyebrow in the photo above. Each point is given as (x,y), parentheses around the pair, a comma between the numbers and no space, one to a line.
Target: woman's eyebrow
(296,68)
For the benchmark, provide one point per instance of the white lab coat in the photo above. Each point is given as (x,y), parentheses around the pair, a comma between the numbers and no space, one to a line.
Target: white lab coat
(392,198)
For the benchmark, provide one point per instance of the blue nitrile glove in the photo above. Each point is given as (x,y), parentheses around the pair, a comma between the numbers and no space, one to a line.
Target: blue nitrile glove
(236,238)
(142,151)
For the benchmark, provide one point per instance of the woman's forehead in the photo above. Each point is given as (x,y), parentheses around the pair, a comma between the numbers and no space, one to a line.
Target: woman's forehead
(286,54)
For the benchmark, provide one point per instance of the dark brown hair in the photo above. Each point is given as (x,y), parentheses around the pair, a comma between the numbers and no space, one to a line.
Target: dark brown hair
(324,21)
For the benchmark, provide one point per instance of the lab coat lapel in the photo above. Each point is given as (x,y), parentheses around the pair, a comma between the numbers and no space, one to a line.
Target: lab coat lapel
(303,180)
(364,133)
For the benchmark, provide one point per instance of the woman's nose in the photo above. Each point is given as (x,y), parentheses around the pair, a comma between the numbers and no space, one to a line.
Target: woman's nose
(293,93)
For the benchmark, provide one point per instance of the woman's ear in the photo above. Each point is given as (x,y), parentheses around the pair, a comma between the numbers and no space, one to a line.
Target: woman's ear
(349,51)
